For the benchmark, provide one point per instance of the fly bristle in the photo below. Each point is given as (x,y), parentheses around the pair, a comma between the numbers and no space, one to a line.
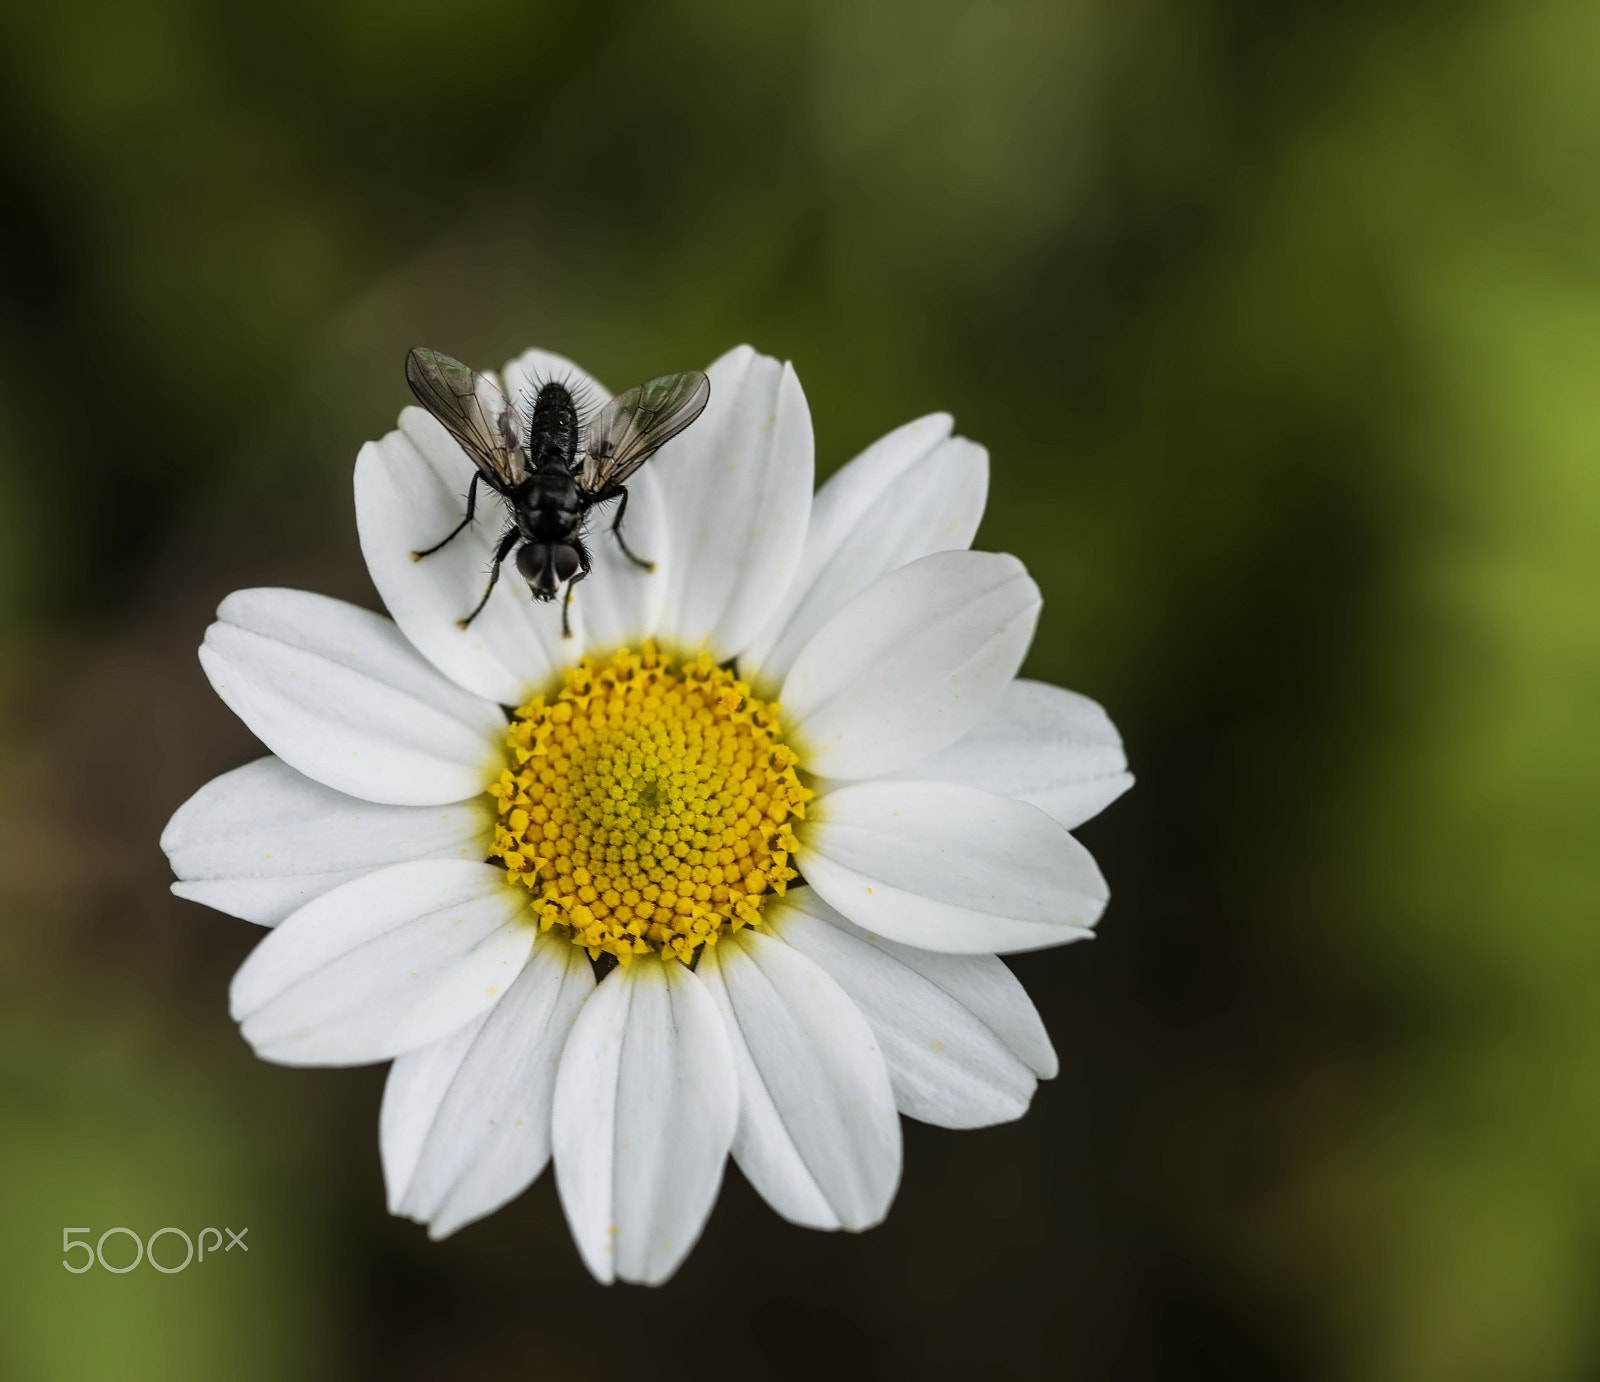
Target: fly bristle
(578,389)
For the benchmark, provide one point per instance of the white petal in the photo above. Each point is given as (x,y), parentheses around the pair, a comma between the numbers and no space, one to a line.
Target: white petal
(813,1084)
(762,1145)
(645,1107)
(916,491)
(466,1121)
(962,1039)
(620,600)
(411,489)
(383,965)
(1054,749)
(910,665)
(338,694)
(738,490)
(417,1084)
(263,840)
(949,868)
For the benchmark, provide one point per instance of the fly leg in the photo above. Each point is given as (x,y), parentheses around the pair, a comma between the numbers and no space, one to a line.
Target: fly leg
(472,502)
(566,604)
(616,528)
(500,554)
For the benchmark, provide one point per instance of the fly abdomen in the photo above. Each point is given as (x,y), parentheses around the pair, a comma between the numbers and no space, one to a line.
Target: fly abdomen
(553,429)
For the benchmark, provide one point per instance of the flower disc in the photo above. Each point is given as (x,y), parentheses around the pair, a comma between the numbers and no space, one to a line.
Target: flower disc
(649,804)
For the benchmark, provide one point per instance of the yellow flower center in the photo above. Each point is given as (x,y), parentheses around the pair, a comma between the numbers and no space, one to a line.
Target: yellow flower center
(648,805)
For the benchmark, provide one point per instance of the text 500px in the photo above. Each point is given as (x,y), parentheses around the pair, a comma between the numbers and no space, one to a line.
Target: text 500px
(145,1249)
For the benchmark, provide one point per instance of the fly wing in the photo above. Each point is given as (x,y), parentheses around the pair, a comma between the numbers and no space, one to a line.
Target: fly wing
(473,410)
(631,428)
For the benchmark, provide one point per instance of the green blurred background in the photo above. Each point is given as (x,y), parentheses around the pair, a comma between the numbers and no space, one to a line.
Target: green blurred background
(1282,324)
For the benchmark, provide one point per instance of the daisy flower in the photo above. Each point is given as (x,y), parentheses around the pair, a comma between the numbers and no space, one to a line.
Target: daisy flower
(726,871)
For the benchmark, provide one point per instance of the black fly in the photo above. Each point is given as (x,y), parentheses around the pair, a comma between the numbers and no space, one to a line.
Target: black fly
(548,468)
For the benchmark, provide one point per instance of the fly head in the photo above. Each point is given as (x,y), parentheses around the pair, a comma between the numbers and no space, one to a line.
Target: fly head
(546,566)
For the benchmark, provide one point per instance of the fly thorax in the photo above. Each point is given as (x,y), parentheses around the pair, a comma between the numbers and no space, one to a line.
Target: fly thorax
(549,507)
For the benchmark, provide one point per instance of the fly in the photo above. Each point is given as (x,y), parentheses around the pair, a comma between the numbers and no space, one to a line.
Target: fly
(548,468)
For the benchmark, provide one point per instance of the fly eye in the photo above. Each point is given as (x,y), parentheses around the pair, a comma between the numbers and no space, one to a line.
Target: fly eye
(531,559)
(565,561)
